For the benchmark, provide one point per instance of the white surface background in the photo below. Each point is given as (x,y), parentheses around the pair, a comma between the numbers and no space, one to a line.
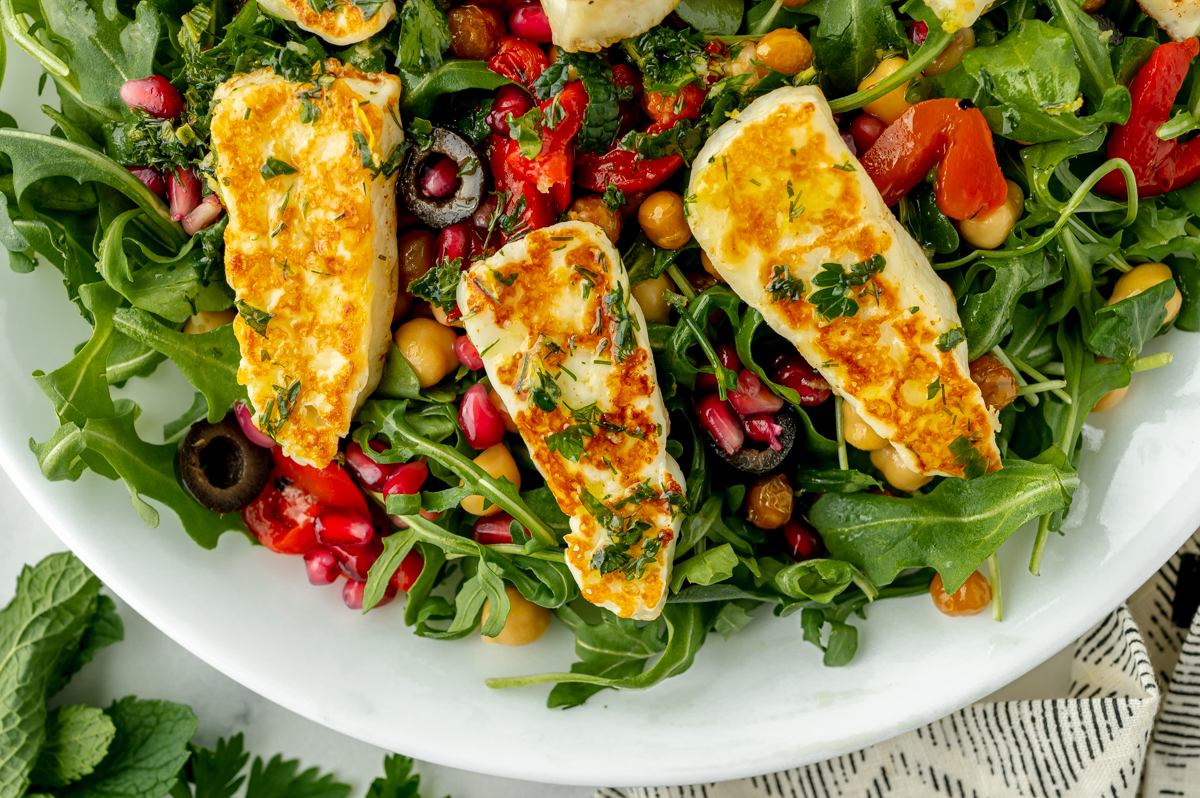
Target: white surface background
(149,664)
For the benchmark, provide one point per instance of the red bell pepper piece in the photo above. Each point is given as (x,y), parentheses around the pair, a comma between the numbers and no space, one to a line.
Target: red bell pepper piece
(668,109)
(1160,166)
(519,60)
(553,164)
(540,210)
(952,132)
(624,170)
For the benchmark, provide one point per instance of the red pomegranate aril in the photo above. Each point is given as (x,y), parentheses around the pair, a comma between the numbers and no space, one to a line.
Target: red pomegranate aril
(155,95)
(484,213)
(203,215)
(370,473)
(848,140)
(727,354)
(406,479)
(454,243)
(479,419)
(354,591)
(467,354)
(356,561)
(183,188)
(803,542)
(764,429)
(510,100)
(718,418)
(440,179)
(322,567)
(406,575)
(918,32)
(151,178)
(491,529)
(337,526)
(793,371)
(245,420)
(866,130)
(752,397)
(529,22)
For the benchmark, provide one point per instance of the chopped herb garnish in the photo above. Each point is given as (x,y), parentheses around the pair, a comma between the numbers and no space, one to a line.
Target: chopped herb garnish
(505,279)
(914,309)
(951,338)
(845,167)
(421,131)
(468,167)
(273,167)
(625,334)
(280,408)
(282,226)
(794,206)
(254,318)
(935,388)
(973,463)
(526,130)
(286,199)
(613,197)
(836,296)
(784,286)
(364,150)
(544,393)
(439,285)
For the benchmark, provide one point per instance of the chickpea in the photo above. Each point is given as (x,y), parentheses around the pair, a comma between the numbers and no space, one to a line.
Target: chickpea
(429,349)
(1142,277)
(990,229)
(952,56)
(858,432)
(785,50)
(892,105)
(498,462)
(707,263)
(208,320)
(592,209)
(769,502)
(649,296)
(498,403)
(416,258)
(1092,6)
(476,32)
(970,599)
(662,219)
(1111,399)
(525,624)
(896,471)
(996,382)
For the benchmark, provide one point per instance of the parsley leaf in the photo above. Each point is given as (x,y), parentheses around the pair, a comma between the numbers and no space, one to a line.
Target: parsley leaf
(951,338)
(569,442)
(217,772)
(398,780)
(255,319)
(279,778)
(613,197)
(273,167)
(439,285)
(669,59)
(973,463)
(625,335)
(526,130)
(544,393)
(424,36)
(784,286)
(836,297)
(421,132)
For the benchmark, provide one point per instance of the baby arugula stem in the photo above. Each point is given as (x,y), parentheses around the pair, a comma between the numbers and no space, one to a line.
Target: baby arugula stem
(1041,378)
(936,42)
(994,576)
(1003,358)
(681,282)
(843,455)
(1151,362)
(685,316)
(1039,545)
(1041,387)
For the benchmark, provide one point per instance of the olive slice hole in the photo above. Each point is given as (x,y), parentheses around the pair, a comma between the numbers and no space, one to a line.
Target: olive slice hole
(221,468)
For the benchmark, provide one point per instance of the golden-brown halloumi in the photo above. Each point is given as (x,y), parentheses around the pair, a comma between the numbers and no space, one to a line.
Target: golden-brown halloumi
(340,23)
(956,14)
(310,248)
(592,25)
(567,350)
(1179,18)
(775,195)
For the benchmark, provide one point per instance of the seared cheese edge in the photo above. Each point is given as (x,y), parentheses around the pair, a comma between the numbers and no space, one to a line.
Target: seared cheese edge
(342,23)
(592,25)
(1179,18)
(956,14)
(311,255)
(884,360)
(554,308)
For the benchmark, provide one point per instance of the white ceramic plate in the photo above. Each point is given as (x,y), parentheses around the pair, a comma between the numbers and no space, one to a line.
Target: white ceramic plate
(758,703)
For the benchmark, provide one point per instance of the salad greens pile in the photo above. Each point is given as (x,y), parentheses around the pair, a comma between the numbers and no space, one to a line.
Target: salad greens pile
(1050,80)
(55,624)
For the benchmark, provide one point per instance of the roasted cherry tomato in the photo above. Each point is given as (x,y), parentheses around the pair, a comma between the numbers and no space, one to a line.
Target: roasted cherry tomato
(553,164)
(623,169)
(518,60)
(668,109)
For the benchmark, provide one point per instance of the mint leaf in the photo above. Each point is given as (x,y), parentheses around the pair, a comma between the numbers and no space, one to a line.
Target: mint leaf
(106,629)
(147,754)
(279,779)
(77,740)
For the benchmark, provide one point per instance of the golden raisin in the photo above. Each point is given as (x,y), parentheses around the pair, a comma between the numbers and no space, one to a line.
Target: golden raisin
(970,599)
(475,32)
(593,209)
(769,502)
(997,384)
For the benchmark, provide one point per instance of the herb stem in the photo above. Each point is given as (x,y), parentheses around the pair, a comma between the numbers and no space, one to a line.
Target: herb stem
(551,555)
(994,575)
(764,24)
(1151,362)
(1003,358)
(685,316)
(843,456)
(933,47)
(1055,369)
(1087,234)
(1039,545)
(1040,377)
(1041,387)
(681,282)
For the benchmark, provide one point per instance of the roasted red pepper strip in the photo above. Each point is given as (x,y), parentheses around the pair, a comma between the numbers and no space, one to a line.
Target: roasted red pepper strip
(624,170)
(668,109)
(553,164)
(519,60)
(540,210)
(1160,166)
(952,133)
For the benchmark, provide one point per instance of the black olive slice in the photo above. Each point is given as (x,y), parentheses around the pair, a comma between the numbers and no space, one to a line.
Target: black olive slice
(221,468)
(754,460)
(459,205)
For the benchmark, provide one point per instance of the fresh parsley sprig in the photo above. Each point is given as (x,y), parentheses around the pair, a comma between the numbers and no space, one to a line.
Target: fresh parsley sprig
(836,295)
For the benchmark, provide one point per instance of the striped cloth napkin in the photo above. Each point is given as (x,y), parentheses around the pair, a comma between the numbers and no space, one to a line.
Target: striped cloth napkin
(1130,725)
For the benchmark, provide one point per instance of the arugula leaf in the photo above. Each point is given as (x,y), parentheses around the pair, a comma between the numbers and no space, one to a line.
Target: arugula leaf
(424,36)
(732,618)
(1091,48)
(77,740)
(714,17)
(843,638)
(611,648)
(850,38)
(422,90)
(1123,328)
(714,565)
(953,528)
(819,580)
(834,481)
(987,314)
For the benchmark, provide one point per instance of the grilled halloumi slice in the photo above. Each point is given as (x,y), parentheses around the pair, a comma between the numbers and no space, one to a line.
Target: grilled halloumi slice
(567,350)
(310,248)
(775,199)
(592,25)
(956,14)
(339,23)
(1179,18)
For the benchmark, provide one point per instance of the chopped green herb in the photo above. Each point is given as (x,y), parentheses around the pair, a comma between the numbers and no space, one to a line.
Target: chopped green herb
(254,318)
(468,167)
(836,296)
(279,408)
(421,131)
(505,279)
(845,167)
(625,334)
(273,167)
(526,130)
(613,197)
(364,150)
(784,286)
(794,206)
(935,388)
(544,393)
(439,285)
(973,463)
(951,338)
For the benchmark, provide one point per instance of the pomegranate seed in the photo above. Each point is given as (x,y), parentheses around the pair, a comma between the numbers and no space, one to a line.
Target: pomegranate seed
(356,561)
(245,419)
(406,479)
(204,214)
(764,429)
(184,189)
(354,591)
(752,397)
(510,101)
(370,473)
(718,418)
(440,179)
(529,22)
(848,140)
(337,526)
(479,420)
(802,540)
(151,178)
(727,354)
(466,352)
(322,567)
(489,529)
(918,32)
(155,95)
(793,371)
(410,568)
(866,130)
(454,243)
(483,215)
